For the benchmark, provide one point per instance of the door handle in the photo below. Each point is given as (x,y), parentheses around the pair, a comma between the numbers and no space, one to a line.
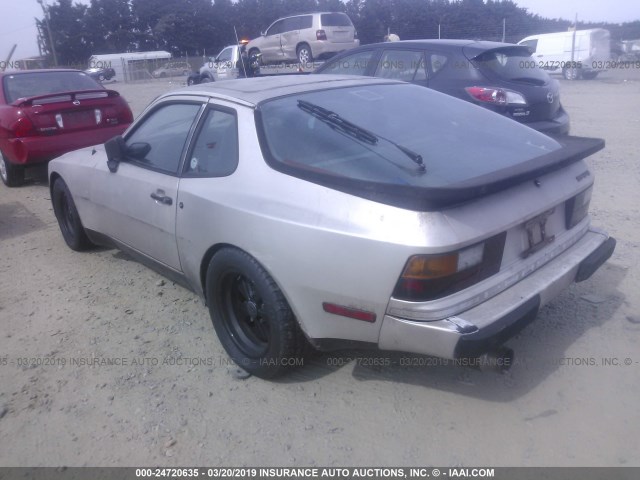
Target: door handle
(160,197)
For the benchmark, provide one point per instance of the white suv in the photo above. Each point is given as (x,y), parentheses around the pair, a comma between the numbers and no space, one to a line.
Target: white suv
(305,37)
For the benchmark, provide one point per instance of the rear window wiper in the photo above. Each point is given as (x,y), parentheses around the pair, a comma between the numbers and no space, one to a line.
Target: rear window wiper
(336,121)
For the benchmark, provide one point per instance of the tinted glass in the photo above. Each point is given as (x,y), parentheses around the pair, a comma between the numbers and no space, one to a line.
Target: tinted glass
(275,28)
(457,140)
(437,61)
(335,20)
(355,64)
(25,85)
(401,65)
(513,64)
(306,21)
(215,151)
(290,24)
(165,130)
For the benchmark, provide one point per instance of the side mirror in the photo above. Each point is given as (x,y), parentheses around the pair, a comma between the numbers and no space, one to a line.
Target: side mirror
(116,152)
(264,34)
(138,150)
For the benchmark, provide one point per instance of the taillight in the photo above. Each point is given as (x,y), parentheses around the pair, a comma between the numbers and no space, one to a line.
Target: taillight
(428,277)
(497,96)
(22,128)
(321,35)
(124,113)
(577,208)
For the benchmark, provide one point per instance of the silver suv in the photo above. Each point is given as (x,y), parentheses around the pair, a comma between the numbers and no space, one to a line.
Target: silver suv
(305,37)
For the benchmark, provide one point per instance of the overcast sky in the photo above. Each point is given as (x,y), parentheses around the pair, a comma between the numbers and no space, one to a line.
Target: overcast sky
(17,25)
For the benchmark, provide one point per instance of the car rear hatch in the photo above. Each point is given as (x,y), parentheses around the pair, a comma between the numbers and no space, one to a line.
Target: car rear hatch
(337,27)
(514,69)
(66,112)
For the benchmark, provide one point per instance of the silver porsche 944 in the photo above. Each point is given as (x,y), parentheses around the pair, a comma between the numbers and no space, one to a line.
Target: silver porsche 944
(333,211)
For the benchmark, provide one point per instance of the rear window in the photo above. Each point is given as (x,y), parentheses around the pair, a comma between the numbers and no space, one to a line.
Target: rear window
(511,64)
(25,85)
(335,20)
(457,141)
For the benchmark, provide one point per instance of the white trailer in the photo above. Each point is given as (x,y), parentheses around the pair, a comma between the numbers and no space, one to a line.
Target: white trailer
(130,66)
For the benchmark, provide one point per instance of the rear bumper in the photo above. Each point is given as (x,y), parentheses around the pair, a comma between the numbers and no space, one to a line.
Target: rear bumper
(40,149)
(490,324)
(560,125)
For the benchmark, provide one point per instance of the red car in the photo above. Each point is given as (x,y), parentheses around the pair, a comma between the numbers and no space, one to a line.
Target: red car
(45,113)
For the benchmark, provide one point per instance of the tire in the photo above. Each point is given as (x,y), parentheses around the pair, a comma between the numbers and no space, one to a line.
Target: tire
(12,175)
(68,218)
(251,316)
(571,74)
(190,82)
(101,78)
(255,52)
(589,75)
(304,54)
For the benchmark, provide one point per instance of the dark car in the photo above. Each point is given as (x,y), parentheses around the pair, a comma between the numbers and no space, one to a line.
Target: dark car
(499,76)
(45,113)
(101,74)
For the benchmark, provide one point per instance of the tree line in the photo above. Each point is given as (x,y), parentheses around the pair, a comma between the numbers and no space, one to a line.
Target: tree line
(196,27)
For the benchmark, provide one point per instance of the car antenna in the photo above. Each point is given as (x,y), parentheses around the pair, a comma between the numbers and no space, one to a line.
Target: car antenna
(244,70)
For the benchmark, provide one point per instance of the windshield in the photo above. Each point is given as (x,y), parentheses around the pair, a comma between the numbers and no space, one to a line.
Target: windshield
(25,85)
(456,140)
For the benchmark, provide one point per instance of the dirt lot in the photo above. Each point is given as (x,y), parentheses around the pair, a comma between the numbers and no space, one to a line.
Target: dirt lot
(174,398)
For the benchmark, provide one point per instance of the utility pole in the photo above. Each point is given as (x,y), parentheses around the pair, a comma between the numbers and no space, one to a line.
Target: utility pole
(574,74)
(46,20)
(504,29)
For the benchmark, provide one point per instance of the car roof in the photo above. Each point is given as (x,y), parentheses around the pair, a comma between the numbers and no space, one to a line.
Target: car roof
(473,47)
(252,91)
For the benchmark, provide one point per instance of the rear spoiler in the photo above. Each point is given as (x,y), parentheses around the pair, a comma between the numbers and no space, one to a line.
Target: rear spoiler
(68,96)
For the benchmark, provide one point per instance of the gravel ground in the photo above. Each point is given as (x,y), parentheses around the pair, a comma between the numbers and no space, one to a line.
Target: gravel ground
(174,398)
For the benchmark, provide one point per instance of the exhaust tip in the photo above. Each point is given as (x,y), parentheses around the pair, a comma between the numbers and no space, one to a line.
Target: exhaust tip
(498,360)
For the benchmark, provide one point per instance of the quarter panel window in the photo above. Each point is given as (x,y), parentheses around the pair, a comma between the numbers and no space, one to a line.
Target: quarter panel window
(437,62)
(401,65)
(215,150)
(165,130)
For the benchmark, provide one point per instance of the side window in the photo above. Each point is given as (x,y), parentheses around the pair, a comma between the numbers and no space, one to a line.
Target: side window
(437,61)
(306,21)
(275,28)
(401,65)
(290,24)
(165,132)
(215,150)
(355,64)
(225,55)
